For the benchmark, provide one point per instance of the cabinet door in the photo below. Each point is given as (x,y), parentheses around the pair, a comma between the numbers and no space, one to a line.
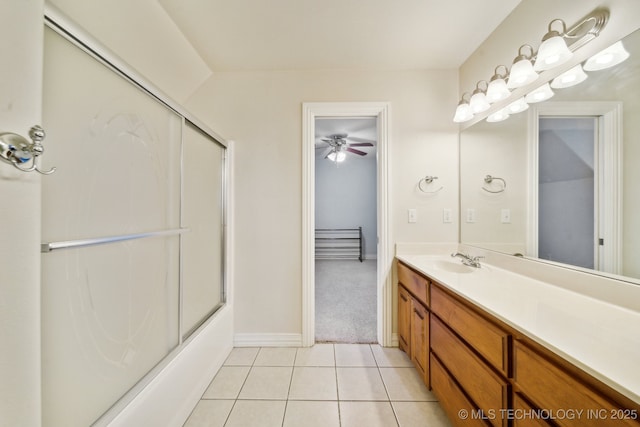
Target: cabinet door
(420,339)
(404,320)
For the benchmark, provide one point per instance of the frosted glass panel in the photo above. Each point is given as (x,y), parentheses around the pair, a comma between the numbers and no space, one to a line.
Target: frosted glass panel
(202,214)
(116,149)
(109,313)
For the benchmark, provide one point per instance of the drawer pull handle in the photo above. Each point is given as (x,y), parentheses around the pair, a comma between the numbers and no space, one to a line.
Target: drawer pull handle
(403,297)
(420,315)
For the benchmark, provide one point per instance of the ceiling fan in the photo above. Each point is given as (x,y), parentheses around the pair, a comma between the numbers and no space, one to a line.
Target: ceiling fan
(339,146)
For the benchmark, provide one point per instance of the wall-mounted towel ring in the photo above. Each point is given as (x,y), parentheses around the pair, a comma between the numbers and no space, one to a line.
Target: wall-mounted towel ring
(489,179)
(427,180)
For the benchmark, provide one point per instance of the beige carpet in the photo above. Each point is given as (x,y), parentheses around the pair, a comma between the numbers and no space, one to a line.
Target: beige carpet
(346,301)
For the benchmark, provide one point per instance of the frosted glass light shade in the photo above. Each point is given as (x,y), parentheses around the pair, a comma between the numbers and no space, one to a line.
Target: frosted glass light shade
(498,116)
(479,102)
(613,55)
(463,113)
(569,78)
(542,93)
(497,90)
(337,157)
(552,52)
(517,106)
(521,74)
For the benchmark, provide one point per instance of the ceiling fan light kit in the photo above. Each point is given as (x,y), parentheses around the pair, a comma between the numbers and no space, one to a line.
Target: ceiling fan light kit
(339,146)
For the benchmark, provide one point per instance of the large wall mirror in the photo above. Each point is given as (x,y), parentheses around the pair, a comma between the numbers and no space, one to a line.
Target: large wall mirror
(560,182)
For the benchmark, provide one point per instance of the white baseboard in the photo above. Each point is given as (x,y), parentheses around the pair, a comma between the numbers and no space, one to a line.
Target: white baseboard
(267,340)
(394,340)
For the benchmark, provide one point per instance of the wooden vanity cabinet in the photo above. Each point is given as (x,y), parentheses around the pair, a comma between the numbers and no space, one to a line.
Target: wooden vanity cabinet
(474,352)
(570,395)
(404,320)
(413,318)
(502,378)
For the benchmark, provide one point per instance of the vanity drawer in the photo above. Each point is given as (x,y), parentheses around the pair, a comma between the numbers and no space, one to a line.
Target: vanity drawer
(552,388)
(492,342)
(524,414)
(451,398)
(414,282)
(487,389)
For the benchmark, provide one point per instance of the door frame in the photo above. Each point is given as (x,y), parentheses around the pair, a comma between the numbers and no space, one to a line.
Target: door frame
(311,111)
(610,135)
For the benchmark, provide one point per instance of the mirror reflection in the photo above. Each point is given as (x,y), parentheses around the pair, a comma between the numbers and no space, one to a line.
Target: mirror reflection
(569,171)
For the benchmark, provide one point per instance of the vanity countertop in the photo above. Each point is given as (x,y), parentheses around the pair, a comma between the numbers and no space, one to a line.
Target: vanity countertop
(601,338)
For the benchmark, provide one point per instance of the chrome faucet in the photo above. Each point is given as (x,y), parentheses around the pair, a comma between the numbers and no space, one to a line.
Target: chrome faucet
(468,260)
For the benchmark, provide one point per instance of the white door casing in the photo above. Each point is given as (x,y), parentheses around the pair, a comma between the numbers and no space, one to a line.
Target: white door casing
(610,134)
(311,111)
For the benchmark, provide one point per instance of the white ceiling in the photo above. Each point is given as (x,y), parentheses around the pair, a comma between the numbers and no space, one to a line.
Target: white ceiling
(334,34)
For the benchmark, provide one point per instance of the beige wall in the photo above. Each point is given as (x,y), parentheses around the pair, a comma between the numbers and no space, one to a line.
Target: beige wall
(20,108)
(144,36)
(262,113)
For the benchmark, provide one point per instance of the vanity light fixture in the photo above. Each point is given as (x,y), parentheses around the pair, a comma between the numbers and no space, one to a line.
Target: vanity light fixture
(478,100)
(569,78)
(542,93)
(463,111)
(497,89)
(522,72)
(609,57)
(517,106)
(498,116)
(554,50)
(557,48)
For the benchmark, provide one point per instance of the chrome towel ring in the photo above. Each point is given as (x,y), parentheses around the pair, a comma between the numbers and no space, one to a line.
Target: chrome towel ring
(428,180)
(489,179)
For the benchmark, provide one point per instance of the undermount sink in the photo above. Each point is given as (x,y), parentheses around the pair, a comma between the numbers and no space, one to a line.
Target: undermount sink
(452,266)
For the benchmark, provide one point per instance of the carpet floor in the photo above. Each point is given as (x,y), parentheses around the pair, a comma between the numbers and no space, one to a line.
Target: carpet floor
(346,301)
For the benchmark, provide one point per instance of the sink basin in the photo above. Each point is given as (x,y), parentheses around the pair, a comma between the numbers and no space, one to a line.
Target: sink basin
(452,266)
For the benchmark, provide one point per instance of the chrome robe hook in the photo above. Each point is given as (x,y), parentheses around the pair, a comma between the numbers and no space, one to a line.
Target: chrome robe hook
(19,151)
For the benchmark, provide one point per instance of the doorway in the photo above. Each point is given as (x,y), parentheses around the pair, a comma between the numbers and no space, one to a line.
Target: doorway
(345,229)
(383,283)
(568,191)
(576,145)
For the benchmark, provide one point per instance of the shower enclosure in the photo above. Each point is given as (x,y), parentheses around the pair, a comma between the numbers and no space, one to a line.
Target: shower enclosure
(133,231)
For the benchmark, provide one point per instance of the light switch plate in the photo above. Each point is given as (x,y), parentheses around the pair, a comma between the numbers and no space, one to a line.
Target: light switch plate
(446,215)
(471,215)
(505,216)
(413,215)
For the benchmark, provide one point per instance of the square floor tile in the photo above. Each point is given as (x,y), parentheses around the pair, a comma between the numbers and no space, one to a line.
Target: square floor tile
(242,356)
(405,384)
(210,413)
(354,355)
(388,357)
(311,414)
(257,413)
(267,383)
(360,384)
(318,355)
(275,356)
(227,383)
(420,414)
(369,414)
(313,383)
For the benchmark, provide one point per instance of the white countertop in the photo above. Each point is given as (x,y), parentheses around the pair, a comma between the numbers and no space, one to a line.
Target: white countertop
(600,337)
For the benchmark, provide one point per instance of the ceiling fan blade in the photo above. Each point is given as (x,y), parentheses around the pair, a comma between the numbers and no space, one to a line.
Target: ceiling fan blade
(354,151)
(356,139)
(361,144)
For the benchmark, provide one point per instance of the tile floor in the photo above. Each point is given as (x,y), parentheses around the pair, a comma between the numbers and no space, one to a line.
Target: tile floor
(327,385)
